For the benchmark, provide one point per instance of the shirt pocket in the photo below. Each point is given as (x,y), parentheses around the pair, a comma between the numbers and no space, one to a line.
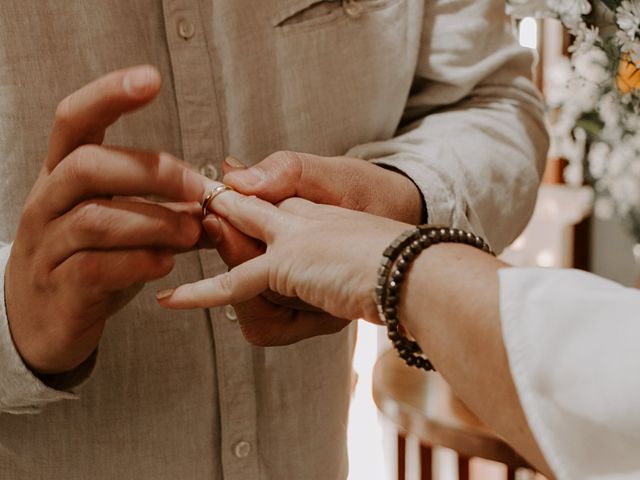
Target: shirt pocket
(309,14)
(344,75)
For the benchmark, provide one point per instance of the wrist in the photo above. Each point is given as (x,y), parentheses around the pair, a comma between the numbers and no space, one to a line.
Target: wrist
(398,261)
(412,207)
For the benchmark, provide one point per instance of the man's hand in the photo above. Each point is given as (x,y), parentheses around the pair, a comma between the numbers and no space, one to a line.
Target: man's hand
(346,182)
(85,244)
(341,181)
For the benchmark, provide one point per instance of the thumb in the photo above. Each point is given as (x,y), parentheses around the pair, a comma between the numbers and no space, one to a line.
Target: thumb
(284,175)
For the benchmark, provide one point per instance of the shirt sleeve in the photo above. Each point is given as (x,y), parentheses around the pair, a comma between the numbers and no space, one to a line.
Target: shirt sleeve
(573,343)
(472,137)
(20,390)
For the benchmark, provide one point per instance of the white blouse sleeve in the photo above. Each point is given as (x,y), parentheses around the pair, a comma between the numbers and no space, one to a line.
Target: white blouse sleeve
(573,342)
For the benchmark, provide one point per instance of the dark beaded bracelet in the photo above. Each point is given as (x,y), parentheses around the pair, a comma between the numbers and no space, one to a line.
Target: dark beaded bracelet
(396,260)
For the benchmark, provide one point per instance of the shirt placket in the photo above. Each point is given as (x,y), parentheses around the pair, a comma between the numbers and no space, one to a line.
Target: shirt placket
(203,146)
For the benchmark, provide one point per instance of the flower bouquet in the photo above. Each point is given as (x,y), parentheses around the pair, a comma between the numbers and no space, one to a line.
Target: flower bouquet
(595,105)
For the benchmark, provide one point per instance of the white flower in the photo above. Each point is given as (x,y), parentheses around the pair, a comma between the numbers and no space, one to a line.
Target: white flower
(592,65)
(630,45)
(598,157)
(573,175)
(609,109)
(585,94)
(570,11)
(619,159)
(586,38)
(586,90)
(625,191)
(628,17)
(556,82)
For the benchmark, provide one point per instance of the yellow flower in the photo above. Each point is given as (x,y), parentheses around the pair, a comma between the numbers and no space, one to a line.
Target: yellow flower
(628,78)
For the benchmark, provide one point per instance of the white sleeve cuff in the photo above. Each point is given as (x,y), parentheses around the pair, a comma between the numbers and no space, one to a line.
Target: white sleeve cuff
(572,343)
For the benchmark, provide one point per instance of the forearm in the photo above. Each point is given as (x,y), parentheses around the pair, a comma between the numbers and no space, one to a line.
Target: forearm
(450,303)
(472,136)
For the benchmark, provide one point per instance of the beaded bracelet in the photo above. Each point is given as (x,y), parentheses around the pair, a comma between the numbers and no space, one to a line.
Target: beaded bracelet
(396,260)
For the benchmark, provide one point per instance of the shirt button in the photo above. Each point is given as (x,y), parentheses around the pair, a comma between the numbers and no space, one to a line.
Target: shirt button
(186,28)
(230,313)
(353,8)
(210,171)
(242,449)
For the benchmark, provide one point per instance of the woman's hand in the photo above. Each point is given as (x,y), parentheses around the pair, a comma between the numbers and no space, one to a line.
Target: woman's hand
(326,256)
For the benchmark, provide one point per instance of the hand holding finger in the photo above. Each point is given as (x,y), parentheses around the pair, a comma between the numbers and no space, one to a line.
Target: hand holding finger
(250,215)
(235,248)
(341,181)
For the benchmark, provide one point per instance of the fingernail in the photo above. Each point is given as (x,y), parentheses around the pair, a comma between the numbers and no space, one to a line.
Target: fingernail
(138,81)
(165,293)
(249,177)
(234,162)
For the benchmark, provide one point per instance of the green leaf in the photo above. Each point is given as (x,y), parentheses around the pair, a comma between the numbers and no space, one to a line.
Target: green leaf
(612,4)
(590,124)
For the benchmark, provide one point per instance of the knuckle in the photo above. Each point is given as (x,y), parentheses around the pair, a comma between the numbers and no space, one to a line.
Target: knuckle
(290,161)
(163,164)
(86,153)
(158,163)
(162,264)
(87,219)
(295,167)
(248,200)
(163,168)
(225,284)
(39,276)
(62,116)
(81,166)
(31,229)
(175,229)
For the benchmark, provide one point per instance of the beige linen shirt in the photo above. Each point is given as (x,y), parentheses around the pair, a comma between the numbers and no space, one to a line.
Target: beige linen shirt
(438,89)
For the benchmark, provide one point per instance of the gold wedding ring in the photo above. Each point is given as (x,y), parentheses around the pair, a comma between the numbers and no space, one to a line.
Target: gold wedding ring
(211,195)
